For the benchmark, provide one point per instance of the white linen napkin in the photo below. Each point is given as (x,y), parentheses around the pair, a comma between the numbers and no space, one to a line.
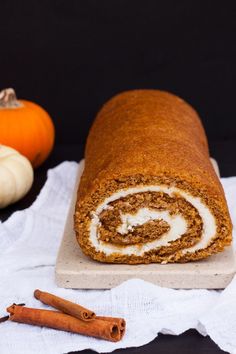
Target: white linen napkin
(29,242)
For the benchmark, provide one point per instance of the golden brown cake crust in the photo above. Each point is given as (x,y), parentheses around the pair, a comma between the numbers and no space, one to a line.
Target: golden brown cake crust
(146,137)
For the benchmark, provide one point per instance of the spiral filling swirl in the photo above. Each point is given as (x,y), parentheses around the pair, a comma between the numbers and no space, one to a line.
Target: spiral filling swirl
(144,219)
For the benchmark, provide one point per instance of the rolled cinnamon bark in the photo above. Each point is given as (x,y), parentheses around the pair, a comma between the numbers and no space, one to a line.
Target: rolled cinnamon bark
(148,192)
(119,321)
(53,319)
(64,305)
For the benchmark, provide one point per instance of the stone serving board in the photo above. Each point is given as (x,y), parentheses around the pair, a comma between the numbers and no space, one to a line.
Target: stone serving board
(75,270)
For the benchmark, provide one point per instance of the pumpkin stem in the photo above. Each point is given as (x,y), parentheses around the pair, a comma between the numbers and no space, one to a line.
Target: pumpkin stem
(8,99)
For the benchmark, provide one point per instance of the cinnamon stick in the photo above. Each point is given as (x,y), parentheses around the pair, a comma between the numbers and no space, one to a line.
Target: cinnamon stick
(64,305)
(76,310)
(119,321)
(99,328)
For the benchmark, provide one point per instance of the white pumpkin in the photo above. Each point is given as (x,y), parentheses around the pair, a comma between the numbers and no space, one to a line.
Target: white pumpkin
(16,176)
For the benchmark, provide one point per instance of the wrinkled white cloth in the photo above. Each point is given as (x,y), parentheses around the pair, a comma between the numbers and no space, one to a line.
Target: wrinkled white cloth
(29,242)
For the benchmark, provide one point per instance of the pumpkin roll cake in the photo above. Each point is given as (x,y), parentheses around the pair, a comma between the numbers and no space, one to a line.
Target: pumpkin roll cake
(149,192)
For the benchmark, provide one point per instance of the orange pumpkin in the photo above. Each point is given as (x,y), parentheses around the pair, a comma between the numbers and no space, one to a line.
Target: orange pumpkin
(26,127)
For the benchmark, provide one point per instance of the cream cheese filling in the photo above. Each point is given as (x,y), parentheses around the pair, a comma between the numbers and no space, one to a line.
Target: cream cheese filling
(129,221)
(177,223)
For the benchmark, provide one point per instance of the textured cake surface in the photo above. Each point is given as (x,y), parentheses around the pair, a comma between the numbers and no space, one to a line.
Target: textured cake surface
(148,192)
